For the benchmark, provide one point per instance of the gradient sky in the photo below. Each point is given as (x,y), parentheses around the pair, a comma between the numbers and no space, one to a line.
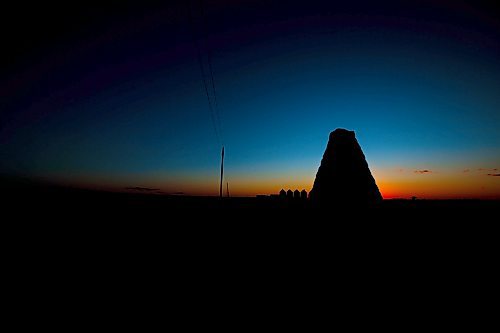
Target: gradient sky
(112,96)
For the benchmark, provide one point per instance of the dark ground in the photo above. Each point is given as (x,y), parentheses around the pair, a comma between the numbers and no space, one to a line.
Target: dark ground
(73,245)
(147,227)
(26,198)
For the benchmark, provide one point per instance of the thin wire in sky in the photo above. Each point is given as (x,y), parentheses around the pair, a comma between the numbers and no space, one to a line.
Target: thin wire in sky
(209,56)
(214,117)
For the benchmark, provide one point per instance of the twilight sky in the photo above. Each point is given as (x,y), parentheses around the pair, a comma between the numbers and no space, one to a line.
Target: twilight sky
(112,96)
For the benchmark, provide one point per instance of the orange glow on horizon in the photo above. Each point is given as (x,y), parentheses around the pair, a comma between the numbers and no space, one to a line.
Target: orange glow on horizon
(439,184)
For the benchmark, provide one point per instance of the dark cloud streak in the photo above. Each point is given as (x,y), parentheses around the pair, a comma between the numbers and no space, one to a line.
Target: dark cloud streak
(142,189)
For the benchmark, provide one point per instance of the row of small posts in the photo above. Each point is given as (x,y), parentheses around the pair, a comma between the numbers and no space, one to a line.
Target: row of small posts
(302,195)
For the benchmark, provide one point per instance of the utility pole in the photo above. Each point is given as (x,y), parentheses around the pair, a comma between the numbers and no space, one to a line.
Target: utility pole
(221,172)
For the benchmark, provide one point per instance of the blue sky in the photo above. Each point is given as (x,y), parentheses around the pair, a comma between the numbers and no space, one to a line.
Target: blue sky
(419,93)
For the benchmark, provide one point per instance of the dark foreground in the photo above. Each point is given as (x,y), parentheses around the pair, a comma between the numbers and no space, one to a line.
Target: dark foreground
(87,244)
(75,222)
(26,199)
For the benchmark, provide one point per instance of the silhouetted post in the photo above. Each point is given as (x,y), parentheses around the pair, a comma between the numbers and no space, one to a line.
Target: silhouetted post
(227,190)
(221,172)
(303,195)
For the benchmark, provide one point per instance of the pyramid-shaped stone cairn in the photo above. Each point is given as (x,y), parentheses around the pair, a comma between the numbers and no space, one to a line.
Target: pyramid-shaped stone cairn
(343,176)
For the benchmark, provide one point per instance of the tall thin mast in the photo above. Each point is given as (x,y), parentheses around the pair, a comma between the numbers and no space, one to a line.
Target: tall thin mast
(221,172)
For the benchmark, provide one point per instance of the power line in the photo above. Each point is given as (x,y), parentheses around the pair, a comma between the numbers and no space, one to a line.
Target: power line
(213,107)
(213,115)
(209,57)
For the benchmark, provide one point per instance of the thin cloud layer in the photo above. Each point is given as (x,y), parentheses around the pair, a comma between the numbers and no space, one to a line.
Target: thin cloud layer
(142,189)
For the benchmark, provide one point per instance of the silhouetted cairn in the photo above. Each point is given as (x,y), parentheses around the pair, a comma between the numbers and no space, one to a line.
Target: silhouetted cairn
(343,176)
